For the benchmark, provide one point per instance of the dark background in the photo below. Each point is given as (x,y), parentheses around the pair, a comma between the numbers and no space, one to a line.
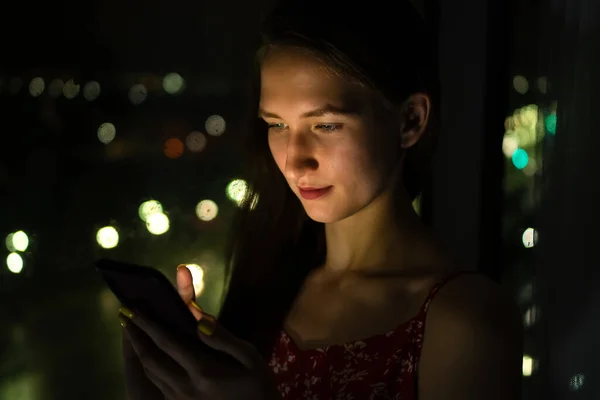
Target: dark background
(59,336)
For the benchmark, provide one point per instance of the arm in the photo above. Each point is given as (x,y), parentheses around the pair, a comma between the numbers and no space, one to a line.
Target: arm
(472,346)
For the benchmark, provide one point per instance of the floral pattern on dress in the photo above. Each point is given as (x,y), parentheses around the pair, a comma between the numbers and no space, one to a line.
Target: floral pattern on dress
(382,367)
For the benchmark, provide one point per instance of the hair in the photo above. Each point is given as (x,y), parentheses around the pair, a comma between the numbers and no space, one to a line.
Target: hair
(274,245)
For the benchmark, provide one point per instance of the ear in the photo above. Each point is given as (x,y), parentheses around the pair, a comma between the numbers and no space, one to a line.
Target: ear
(414,115)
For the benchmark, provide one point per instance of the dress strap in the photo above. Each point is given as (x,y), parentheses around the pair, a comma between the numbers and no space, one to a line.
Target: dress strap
(436,288)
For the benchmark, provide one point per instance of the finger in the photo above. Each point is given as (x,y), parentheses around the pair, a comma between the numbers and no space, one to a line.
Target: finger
(158,368)
(185,287)
(138,385)
(168,344)
(185,284)
(219,338)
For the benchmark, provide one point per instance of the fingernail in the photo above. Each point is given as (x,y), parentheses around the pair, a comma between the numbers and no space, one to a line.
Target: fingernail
(122,320)
(206,326)
(126,312)
(197,307)
(181,266)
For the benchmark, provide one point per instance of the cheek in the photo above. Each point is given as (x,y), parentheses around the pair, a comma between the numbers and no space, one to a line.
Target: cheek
(361,170)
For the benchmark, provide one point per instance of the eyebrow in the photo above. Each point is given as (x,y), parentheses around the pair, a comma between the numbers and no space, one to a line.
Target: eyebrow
(327,109)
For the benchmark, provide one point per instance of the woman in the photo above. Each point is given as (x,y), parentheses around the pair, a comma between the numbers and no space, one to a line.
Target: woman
(338,290)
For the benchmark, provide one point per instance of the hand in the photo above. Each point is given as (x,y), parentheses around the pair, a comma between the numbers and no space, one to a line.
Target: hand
(180,370)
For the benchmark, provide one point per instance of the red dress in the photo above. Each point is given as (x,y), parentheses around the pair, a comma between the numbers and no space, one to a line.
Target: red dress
(379,367)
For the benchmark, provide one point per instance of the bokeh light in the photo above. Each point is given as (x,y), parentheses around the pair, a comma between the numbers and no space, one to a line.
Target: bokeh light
(215,125)
(195,141)
(529,237)
(14,262)
(520,84)
(542,84)
(550,122)
(528,365)
(207,210)
(138,94)
(236,190)
(148,208)
(531,316)
(71,89)
(17,241)
(157,223)
(107,132)
(531,167)
(91,90)
(520,158)
(576,382)
(36,86)
(528,117)
(173,148)
(173,83)
(509,145)
(107,237)
(197,278)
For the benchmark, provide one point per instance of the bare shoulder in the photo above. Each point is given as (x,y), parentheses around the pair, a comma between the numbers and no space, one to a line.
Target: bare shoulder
(474,297)
(472,346)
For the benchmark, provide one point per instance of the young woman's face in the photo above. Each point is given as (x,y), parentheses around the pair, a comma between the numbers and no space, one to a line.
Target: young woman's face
(325,136)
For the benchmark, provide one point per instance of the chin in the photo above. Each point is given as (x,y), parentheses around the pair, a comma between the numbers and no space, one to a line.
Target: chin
(327,215)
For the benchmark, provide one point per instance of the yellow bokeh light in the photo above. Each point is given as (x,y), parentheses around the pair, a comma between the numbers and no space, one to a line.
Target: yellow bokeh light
(36,86)
(107,237)
(531,167)
(197,278)
(14,262)
(157,223)
(148,208)
(520,84)
(173,83)
(20,241)
(207,210)
(107,132)
(9,242)
(71,89)
(236,190)
(509,145)
(17,241)
(528,365)
(529,116)
(529,238)
(91,90)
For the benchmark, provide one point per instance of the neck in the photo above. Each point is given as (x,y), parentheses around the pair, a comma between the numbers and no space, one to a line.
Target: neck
(385,235)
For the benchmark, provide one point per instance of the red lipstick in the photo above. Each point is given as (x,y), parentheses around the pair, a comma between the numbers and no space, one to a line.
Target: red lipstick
(309,193)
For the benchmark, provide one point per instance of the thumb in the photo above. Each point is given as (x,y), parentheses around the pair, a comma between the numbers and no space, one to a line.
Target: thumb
(185,287)
(219,338)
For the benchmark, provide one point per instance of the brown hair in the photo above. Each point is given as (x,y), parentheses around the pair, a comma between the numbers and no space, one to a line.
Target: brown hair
(274,245)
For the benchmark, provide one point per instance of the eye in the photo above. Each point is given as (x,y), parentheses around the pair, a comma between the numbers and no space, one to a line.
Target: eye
(328,127)
(278,126)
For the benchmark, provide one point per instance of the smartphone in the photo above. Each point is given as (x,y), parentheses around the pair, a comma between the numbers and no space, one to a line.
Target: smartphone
(149,291)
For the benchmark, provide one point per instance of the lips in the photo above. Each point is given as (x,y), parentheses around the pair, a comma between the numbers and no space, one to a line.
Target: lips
(314,193)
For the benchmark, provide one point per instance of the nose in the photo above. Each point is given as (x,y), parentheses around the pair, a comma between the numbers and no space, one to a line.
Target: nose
(301,156)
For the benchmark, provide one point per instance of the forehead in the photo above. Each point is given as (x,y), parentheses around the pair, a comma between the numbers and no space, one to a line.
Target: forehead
(289,76)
